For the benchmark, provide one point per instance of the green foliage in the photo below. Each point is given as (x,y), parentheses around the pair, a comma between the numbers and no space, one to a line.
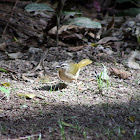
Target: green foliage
(61,126)
(3,70)
(130,12)
(71,13)
(6,91)
(3,128)
(138,39)
(84,22)
(134,2)
(102,80)
(38,7)
(122,1)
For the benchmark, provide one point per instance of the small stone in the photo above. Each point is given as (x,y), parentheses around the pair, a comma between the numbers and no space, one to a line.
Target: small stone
(131,23)
(137,57)
(99,48)
(128,50)
(138,17)
(108,51)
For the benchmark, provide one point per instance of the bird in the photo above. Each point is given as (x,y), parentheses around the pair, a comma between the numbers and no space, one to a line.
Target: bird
(70,71)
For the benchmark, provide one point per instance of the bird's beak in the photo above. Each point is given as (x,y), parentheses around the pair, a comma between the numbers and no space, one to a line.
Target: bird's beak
(58,67)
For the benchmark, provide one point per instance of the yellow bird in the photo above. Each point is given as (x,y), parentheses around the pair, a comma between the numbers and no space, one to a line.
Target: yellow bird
(70,71)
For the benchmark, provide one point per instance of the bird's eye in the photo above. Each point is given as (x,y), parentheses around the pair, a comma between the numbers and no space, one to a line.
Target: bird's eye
(64,65)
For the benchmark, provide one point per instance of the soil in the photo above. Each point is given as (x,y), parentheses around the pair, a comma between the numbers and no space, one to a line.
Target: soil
(76,113)
(91,109)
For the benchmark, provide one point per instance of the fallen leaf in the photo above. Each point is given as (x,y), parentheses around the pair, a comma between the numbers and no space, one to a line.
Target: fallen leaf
(66,30)
(111,115)
(84,22)
(123,131)
(3,46)
(75,49)
(6,84)
(3,70)
(73,36)
(131,118)
(107,39)
(28,96)
(120,73)
(91,35)
(27,79)
(111,23)
(131,60)
(14,55)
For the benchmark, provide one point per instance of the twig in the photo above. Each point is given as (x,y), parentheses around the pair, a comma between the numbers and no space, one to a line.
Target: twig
(58,16)
(9,21)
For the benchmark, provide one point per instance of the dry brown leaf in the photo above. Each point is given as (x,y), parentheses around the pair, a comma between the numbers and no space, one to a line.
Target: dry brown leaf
(111,23)
(3,46)
(75,49)
(106,39)
(66,29)
(91,35)
(73,36)
(120,73)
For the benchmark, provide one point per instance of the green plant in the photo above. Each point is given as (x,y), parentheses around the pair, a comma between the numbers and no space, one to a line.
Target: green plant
(103,80)
(3,70)
(119,132)
(109,133)
(61,126)
(106,105)
(6,91)
(3,128)
(138,79)
(100,83)
(51,88)
(84,133)
(39,138)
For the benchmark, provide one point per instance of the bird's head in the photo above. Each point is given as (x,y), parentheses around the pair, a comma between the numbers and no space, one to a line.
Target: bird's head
(63,67)
(71,68)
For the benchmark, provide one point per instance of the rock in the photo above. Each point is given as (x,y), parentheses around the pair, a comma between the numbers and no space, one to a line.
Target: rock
(137,57)
(108,51)
(131,23)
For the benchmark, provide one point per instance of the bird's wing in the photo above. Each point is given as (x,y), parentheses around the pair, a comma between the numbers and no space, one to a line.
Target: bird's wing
(73,68)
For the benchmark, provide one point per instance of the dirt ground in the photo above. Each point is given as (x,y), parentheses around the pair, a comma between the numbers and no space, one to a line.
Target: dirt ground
(73,113)
(92,110)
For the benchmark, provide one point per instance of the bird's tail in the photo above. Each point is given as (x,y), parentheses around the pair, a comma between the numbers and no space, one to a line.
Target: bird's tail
(84,62)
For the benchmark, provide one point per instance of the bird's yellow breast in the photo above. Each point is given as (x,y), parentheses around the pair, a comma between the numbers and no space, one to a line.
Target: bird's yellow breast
(66,76)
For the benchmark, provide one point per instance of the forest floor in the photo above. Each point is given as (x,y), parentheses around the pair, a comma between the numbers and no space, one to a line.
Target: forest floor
(73,112)
(34,106)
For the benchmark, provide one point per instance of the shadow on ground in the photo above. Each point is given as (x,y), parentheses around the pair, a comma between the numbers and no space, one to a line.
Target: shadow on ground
(55,87)
(75,122)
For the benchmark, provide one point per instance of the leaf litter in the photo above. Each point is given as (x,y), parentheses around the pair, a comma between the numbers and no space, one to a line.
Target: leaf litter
(112,113)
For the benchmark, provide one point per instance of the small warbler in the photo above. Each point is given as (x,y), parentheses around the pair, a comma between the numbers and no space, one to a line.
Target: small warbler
(70,71)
